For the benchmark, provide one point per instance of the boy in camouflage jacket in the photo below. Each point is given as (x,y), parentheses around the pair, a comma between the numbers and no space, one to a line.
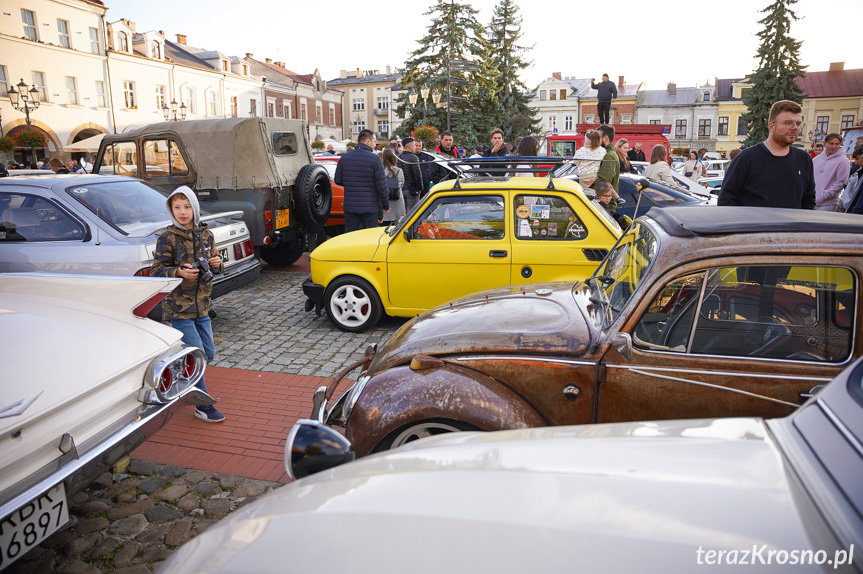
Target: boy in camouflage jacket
(188,306)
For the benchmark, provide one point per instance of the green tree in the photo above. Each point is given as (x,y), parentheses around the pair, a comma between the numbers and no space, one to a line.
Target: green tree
(483,111)
(509,57)
(455,32)
(778,68)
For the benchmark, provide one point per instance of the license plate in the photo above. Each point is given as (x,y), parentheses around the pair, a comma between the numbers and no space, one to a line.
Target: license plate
(31,524)
(223,253)
(282,219)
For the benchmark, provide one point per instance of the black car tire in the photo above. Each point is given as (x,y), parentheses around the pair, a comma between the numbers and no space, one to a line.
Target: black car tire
(352,304)
(283,254)
(420,429)
(313,194)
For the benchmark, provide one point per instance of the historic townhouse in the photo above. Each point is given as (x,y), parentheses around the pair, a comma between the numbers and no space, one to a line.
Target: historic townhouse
(730,127)
(555,102)
(58,48)
(833,101)
(622,109)
(301,96)
(691,112)
(370,101)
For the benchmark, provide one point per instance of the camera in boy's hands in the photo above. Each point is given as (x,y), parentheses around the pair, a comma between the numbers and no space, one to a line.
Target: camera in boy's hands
(204,266)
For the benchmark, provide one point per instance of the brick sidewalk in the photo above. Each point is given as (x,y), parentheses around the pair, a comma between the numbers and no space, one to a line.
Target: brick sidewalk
(260,409)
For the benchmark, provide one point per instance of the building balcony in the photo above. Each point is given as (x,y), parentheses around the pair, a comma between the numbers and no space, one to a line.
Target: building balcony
(382,111)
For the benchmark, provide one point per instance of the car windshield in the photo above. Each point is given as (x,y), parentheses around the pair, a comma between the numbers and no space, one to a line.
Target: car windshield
(623,270)
(127,205)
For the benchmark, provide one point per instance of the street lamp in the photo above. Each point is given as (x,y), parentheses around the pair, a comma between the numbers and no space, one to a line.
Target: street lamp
(424,92)
(171,113)
(24,100)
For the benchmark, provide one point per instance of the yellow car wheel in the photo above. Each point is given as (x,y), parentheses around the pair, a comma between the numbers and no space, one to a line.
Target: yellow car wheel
(352,304)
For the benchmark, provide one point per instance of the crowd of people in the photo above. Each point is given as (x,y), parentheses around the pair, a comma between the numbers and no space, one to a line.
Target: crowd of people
(54,164)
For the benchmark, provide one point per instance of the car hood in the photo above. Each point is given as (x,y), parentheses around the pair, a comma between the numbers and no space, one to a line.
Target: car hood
(547,318)
(611,498)
(52,325)
(359,245)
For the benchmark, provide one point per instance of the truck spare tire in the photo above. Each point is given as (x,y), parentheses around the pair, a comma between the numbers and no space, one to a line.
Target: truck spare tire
(313,194)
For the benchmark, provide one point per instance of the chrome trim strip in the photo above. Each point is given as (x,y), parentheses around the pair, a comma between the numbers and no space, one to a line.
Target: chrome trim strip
(840,426)
(722,373)
(712,386)
(98,458)
(534,359)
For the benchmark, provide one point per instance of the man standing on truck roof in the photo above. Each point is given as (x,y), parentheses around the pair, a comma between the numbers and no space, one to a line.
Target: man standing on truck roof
(361,173)
(606,92)
(609,168)
(773,173)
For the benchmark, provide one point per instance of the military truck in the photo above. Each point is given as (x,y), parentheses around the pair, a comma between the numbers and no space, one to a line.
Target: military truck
(260,166)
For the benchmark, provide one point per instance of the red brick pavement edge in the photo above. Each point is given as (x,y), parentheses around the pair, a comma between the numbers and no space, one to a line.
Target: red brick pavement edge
(260,409)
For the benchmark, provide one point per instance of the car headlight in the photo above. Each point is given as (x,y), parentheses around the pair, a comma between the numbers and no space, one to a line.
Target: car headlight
(340,412)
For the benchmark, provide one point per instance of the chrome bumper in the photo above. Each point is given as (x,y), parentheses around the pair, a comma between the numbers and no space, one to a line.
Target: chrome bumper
(81,464)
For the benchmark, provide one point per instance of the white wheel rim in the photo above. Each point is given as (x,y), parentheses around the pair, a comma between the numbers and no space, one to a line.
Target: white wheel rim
(350,305)
(422,430)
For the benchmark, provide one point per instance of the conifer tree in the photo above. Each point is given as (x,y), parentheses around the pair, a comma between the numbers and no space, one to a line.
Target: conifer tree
(454,32)
(778,67)
(509,59)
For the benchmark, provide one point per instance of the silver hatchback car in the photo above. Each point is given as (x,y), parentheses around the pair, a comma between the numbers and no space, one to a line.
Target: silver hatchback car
(106,225)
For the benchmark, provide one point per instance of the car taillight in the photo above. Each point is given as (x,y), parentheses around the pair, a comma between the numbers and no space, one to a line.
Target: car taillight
(145,272)
(188,366)
(144,308)
(165,381)
(243,249)
(268,221)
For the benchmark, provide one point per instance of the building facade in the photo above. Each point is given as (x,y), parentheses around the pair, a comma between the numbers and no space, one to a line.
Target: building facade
(556,103)
(370,101)
(58,48)
(691,112)
(833,101)
(622,109)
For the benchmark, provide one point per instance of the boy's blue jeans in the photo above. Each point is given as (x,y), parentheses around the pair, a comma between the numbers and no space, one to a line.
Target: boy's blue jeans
(197,333)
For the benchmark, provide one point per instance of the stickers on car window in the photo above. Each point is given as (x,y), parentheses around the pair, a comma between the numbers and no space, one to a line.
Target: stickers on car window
(540,211)
(79,190)
(522,211)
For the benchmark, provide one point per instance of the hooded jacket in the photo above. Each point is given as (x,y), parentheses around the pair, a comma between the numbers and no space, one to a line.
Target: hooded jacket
(831,175)
(180,246)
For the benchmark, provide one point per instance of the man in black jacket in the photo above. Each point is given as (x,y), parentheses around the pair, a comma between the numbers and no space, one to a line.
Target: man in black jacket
(410,165)
(361,173)
(606,92)
(636,153)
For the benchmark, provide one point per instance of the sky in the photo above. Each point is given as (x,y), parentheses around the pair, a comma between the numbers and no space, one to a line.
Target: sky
(687,43)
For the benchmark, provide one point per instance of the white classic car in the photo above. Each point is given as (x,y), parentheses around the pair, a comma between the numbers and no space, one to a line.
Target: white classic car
(86,378)
(719,495)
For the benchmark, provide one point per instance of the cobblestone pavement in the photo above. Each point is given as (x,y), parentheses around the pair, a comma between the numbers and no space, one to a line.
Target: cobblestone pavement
(263,327)
(129,522)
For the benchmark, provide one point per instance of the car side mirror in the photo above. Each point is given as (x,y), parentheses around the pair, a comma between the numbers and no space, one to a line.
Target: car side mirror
(622,343)
(407,233)
(313,447)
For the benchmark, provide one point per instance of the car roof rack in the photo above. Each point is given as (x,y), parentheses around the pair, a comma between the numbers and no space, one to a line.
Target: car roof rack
(503,166)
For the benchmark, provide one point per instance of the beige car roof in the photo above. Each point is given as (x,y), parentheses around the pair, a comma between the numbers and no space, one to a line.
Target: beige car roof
(235,152)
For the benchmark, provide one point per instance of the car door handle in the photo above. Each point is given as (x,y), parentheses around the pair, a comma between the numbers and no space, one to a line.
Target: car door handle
(497,253)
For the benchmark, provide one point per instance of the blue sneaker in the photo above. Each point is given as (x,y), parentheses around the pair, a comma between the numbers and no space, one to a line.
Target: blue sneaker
(209,414)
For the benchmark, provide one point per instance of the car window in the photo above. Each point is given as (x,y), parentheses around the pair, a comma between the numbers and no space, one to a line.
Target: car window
(544,217)
(162,157)
(31,218)
(798,313)
(562,149)
(623,270)
(125,205)
(460,217)
(119,158)
(285,143)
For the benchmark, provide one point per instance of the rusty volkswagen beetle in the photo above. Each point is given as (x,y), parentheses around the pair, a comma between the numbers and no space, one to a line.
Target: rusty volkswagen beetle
(696,312)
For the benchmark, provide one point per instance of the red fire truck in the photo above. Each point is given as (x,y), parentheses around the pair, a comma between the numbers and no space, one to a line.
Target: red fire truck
(650,135)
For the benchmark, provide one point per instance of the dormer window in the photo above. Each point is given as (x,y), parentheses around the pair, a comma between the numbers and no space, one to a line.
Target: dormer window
(155,50)
(245,69)
(122,42)
(224,65)
(706,96)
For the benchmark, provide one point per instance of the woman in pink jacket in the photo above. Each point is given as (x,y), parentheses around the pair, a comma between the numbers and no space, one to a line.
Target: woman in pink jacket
(831,174)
